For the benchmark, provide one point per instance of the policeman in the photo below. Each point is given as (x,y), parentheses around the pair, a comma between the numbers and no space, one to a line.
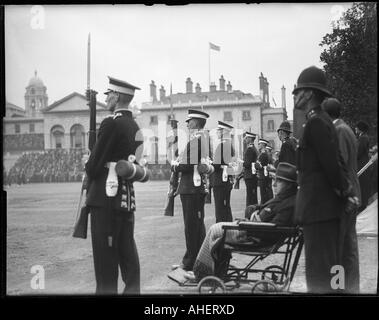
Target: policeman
(264,181)
(249,173)
(191,186)
(324,194)
(222,179)
(112,209)
(288,148)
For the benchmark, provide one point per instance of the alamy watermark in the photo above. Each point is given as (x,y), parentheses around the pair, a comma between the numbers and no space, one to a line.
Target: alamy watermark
(38,280)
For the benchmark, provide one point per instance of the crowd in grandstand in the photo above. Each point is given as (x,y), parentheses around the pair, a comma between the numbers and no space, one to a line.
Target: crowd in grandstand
(60,165)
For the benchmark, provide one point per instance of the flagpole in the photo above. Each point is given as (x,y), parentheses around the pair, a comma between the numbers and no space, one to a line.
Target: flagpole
(89,61)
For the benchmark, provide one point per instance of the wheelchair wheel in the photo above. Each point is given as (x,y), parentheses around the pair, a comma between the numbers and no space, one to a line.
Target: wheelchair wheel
(264,286)
(211,285)
(273,273)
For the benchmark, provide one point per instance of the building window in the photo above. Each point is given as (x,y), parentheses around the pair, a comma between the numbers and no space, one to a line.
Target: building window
(153,119)
(228,116)
(77,136)
(17,128)
(270,125)
(57,137)
(31,128)
(32,91)
(246,115)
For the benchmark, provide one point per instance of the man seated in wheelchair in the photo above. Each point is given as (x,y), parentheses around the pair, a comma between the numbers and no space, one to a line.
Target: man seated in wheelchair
(279,210)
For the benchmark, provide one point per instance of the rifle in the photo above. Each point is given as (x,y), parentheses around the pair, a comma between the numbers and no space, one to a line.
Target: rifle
(81,224)
(174,178)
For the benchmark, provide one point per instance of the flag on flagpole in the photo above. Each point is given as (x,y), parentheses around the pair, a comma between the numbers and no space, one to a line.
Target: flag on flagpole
(213,46)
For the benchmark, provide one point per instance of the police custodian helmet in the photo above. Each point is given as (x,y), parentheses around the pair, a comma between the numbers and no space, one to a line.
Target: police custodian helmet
(312,78)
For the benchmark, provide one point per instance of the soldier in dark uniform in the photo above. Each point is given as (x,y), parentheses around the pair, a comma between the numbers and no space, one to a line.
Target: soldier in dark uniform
(191,186)
(250,156)
(363,157)
(264,181)
(112,210)
(222,180)
(325,194)
(288,148)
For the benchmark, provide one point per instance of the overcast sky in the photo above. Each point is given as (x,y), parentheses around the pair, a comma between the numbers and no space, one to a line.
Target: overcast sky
(166,44)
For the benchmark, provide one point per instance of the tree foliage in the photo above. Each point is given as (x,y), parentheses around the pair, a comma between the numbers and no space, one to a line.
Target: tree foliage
(350,57)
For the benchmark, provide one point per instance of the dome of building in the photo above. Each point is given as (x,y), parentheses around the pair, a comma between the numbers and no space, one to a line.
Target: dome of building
(35,81)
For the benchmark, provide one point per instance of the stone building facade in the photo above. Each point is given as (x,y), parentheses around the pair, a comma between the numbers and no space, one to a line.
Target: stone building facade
(244,111)
(40,126)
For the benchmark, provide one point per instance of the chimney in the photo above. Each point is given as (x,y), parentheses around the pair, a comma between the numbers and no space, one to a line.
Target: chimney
(162,93)
(153,91)
(198,88)
(222,83)
(263,90)
(229,87)
(261,86)
(283,97)
(267,92)
(212,87)
(189,85)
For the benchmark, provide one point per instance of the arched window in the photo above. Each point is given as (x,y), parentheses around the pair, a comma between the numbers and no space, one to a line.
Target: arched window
(57,137)
(77,136)
(32,91)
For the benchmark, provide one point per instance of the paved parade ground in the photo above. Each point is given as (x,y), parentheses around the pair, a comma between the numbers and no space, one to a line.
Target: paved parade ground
(40,220)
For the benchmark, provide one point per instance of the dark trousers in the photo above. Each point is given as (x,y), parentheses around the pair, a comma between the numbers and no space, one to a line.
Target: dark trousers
(265,187)
(350,254)
(251,192)
(321,254)
(328,244)
(223,211)
(123,252)
(194,228)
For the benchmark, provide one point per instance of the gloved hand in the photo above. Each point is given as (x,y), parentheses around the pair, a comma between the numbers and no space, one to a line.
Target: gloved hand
(258,165)
(352,204)
(204,168)
(255,216)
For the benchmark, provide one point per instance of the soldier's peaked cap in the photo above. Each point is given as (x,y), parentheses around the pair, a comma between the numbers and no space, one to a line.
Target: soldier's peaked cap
(250,135)
(223,125)
(197,114)
(263,141)
(120,86)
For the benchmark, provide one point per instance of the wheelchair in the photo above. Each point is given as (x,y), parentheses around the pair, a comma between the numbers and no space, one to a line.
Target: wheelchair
(285,246)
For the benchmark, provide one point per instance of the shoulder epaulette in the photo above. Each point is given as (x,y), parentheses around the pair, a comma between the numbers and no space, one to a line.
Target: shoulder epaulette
(117,115)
